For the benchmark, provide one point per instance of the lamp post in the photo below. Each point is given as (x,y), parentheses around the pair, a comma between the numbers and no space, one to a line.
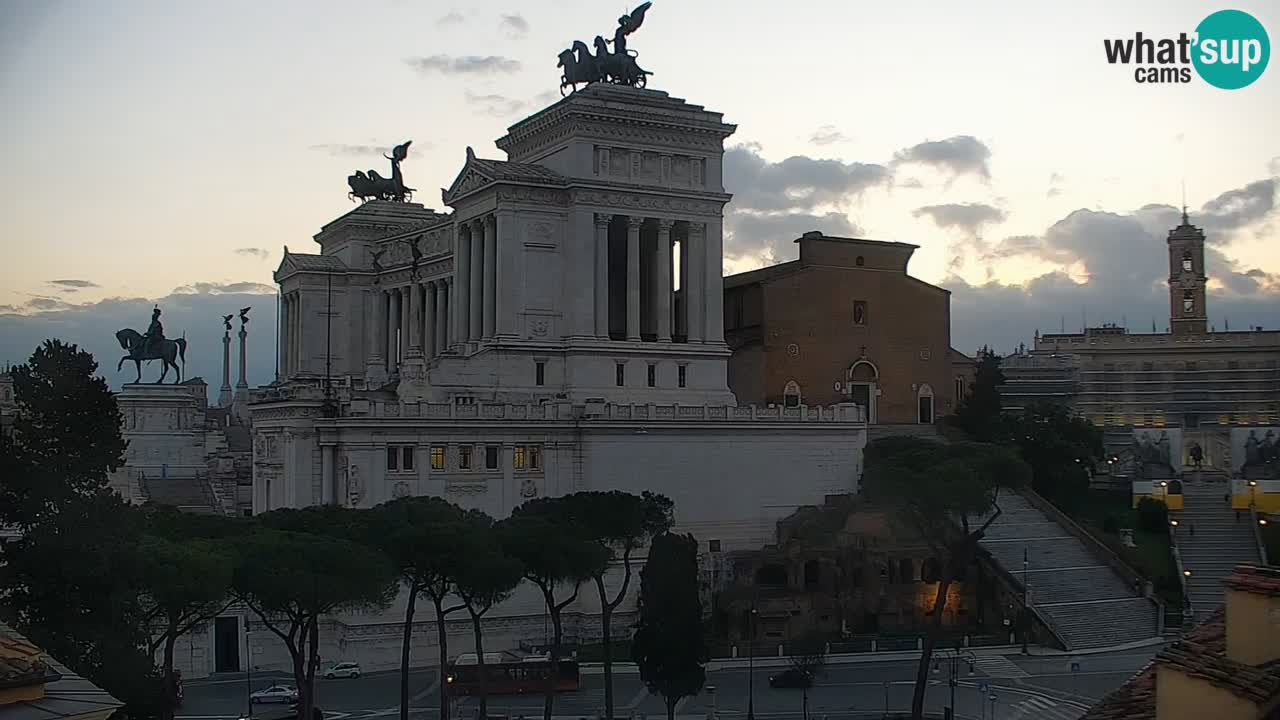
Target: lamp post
(1253,487)
(1026,612)
(952,659)
(751,663)
(248,671)
(1164,491)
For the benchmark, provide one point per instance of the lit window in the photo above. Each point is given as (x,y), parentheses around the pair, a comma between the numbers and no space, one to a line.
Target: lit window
(517,458)
(859,312)
(535,457)
(620,374)
(491,457)
(437,457)
(1188,302)
(652,379)
(680,376)
(407,456)
(540,373)
(1186,262)
(393,458)
(464,457)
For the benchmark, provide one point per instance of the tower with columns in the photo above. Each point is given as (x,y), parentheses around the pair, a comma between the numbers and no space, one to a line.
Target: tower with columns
(1187,312)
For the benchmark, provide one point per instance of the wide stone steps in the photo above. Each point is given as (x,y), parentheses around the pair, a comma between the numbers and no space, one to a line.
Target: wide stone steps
(1222,540)
(1086,603)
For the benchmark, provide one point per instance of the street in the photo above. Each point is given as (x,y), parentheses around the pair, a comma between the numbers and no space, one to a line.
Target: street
(1045,688)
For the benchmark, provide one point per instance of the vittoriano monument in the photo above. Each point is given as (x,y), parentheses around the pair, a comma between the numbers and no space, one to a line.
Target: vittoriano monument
(152,345)
(373,186)
(618,67)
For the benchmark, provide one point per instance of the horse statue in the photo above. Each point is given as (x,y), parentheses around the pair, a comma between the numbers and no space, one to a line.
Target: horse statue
(168,351)
(618,67)
(372,186)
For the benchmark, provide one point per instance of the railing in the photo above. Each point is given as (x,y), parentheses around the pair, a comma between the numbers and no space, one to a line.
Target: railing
(604,412)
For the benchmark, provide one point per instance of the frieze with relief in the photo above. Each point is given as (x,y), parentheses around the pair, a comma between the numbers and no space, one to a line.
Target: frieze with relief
(629,201)
(533,196)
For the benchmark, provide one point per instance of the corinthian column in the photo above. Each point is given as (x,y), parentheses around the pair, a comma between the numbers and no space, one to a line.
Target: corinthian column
(633,277)
(445,327)
(405,322)
(414,338)
(602,275)
(429,321)
(475,299)
(663,271)
(462,281)
(490,276)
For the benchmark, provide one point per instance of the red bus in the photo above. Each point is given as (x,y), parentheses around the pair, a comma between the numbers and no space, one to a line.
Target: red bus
(509,674)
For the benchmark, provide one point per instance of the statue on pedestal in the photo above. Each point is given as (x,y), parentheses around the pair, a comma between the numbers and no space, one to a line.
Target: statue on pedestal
(372,186)
(618,67)
(152,346)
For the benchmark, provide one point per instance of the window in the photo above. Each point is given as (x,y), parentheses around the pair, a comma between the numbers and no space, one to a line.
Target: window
(713,545)
(464,399)
(680,375)
(247,512)
(1233,365)
(1188,302)
(393,458)
(539,373)
(437,457)
(406,456)
(535,457)
(859,312)
(1147,366)
(859,261)
(652,378)
(517,457)
(464,457)
(791,394)
(491,457)
(959,389)
(620,374)
(811,574)
(1186,262)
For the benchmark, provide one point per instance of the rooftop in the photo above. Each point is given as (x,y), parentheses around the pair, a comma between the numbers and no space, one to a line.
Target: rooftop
(66,695)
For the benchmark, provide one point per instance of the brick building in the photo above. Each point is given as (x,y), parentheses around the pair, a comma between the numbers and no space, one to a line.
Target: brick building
(844,323)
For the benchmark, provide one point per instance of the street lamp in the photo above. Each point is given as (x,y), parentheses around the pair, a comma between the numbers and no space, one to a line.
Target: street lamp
(1164,490)
(751,663)
(1026,613)
(1253,487)
(1186,573)
(952,659)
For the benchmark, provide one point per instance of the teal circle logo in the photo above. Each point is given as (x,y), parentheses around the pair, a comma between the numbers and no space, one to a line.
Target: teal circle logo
(1232,49)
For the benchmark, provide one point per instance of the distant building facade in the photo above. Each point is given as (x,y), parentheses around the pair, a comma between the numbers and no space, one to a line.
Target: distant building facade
(843,323)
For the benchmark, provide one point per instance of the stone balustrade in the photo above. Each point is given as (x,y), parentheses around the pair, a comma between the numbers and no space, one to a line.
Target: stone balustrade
(602,412)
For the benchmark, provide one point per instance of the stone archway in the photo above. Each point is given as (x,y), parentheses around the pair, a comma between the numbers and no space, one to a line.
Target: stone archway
(864,386)
(924,402)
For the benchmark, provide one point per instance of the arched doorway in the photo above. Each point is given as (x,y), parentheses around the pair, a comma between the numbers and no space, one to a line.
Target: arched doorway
(864,386)
(924,399)
(791,394)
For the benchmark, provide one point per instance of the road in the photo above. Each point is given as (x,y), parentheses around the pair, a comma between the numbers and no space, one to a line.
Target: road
(1043,688)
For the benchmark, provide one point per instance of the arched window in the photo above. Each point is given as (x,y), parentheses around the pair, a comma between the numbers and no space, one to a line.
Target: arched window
(791,394)
(859,261)
(925,397)
(1187,264)
(1188,302)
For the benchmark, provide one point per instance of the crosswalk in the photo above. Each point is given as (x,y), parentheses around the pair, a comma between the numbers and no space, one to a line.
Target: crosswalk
(1041,709)
(999,666)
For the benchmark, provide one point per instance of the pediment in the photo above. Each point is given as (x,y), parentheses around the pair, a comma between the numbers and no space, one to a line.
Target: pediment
(470,179)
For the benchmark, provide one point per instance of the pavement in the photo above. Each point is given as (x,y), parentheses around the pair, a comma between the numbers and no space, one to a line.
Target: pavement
(1005,685)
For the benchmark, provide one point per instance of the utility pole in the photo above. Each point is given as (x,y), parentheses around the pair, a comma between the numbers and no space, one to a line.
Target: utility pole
(952,658)
(1026,611)
(751,662)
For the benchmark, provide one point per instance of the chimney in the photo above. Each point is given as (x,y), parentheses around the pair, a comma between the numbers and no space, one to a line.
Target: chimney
(1253,615)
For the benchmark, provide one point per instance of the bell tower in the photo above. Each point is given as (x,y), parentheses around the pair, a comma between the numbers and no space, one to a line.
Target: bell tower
(1187,312)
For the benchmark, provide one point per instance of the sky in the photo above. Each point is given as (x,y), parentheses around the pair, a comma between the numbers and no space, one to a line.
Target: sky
(160,152)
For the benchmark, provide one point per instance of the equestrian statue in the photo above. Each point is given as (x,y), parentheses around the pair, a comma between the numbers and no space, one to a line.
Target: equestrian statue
(618,67)
(373,186)
(153,345)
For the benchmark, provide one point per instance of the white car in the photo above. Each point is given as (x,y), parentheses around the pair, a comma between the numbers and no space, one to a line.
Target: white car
(274,694)
(343,669)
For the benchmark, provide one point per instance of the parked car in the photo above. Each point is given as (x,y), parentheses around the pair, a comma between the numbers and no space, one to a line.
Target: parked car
(274,694)
(791,678)
(343,669)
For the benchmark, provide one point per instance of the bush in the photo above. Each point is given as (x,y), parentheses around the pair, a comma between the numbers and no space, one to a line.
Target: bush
(1153,515)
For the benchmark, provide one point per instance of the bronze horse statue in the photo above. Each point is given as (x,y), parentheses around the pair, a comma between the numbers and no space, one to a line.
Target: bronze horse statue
(373,186)
(168,351)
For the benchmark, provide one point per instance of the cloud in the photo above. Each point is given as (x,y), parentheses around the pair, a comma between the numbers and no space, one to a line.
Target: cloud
(1236,208)
(827,135)
(969,217)
(494,104)
(1274,166)
(260,253)
(453,17)
(351,150)
(465,65)
(959,155)
(770,237)
(911,184)
(73,285)
(194,311)
(1055,185)
(796,183)
(515,26)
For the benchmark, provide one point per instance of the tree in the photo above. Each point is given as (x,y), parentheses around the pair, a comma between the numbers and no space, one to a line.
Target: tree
(979,413)
(66,438)
(420,536)
(1062,449)
(290,579)
(555,554)
(620,523)
(669,644)
(808,656)
(488,577)
(182,584)
(937,487)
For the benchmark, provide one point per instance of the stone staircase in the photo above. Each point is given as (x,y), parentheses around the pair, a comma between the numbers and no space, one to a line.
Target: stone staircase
(1220,541)
(1082,599)
(188,494)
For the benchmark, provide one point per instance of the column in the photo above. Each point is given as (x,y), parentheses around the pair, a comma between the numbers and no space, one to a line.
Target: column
(633,277)
(226,365)
(415,320)
(602,275)
(378,327)
(475,298)
(490,284)
(714,291)
(405,322)
(429,321)
(328,472)
(283,351)
(444,327)
(295,333)
(393,329)
(509,290)
(663,271)
(694,295)
(242,384)
(462,281)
